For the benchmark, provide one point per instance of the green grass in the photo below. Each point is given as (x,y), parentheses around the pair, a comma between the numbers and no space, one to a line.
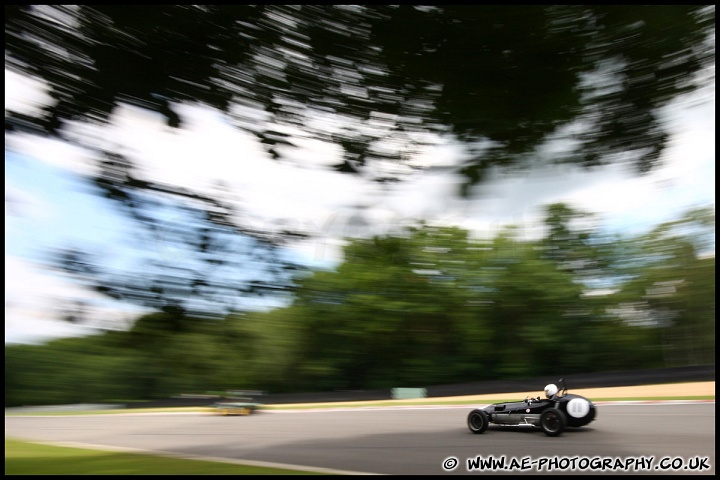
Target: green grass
(27,458)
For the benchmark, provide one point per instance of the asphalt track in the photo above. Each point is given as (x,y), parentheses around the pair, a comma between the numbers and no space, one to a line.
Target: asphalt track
(404,440)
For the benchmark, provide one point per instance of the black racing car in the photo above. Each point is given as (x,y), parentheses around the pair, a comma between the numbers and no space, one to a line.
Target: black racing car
(552,414)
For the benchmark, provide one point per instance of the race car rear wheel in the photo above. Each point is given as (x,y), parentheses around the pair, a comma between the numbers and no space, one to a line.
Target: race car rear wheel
(553,422)
(478,421)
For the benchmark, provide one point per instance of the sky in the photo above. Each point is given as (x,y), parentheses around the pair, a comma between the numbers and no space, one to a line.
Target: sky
(46,204)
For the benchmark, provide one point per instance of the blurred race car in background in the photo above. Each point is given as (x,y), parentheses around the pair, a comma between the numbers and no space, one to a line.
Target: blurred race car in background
(238,402)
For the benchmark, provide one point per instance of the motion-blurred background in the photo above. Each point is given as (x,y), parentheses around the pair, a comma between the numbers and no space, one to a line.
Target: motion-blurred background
(304,198)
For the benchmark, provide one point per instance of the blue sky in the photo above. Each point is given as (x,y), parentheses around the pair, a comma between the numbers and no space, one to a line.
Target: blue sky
(47,204)
(53,205)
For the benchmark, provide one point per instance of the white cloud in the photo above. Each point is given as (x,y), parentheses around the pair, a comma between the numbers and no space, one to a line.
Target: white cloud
(299,191)
(36,300)
(25,94)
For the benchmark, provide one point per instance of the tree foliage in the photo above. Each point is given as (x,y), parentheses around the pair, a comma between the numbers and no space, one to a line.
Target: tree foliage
(378,81)
(431,306)
(667,286)
(501,78)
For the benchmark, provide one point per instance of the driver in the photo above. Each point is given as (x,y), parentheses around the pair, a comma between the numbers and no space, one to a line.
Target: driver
(551,391)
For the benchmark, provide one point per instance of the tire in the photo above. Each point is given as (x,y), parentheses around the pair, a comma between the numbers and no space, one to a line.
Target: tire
(553,422)
(478,421)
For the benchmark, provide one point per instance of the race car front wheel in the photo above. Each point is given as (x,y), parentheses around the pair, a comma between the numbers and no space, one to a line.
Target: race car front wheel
(553,422)
(477,421)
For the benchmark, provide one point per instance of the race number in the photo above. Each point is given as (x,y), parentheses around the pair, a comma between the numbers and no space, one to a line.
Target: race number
(578,407)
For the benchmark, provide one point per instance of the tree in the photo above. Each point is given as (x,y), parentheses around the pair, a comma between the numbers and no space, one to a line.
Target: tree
(574,244)
(670,287)
(391,314)
(504,76)
(503,80)
(426,307)
(190,256)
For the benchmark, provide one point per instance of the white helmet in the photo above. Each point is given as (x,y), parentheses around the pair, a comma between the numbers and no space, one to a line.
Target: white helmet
(550,390)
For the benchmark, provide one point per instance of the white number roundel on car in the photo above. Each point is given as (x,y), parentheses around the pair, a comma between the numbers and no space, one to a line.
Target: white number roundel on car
(578,407)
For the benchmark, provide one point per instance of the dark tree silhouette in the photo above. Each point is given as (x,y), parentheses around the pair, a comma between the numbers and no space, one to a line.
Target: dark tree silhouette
(501,79)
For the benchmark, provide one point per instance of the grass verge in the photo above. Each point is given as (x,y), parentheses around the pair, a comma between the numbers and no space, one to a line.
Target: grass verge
(27,458)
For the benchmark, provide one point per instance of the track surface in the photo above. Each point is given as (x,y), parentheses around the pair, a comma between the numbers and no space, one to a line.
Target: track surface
(400,440)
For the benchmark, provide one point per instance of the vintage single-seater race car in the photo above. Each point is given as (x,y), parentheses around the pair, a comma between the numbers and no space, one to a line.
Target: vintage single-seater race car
(552,414)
